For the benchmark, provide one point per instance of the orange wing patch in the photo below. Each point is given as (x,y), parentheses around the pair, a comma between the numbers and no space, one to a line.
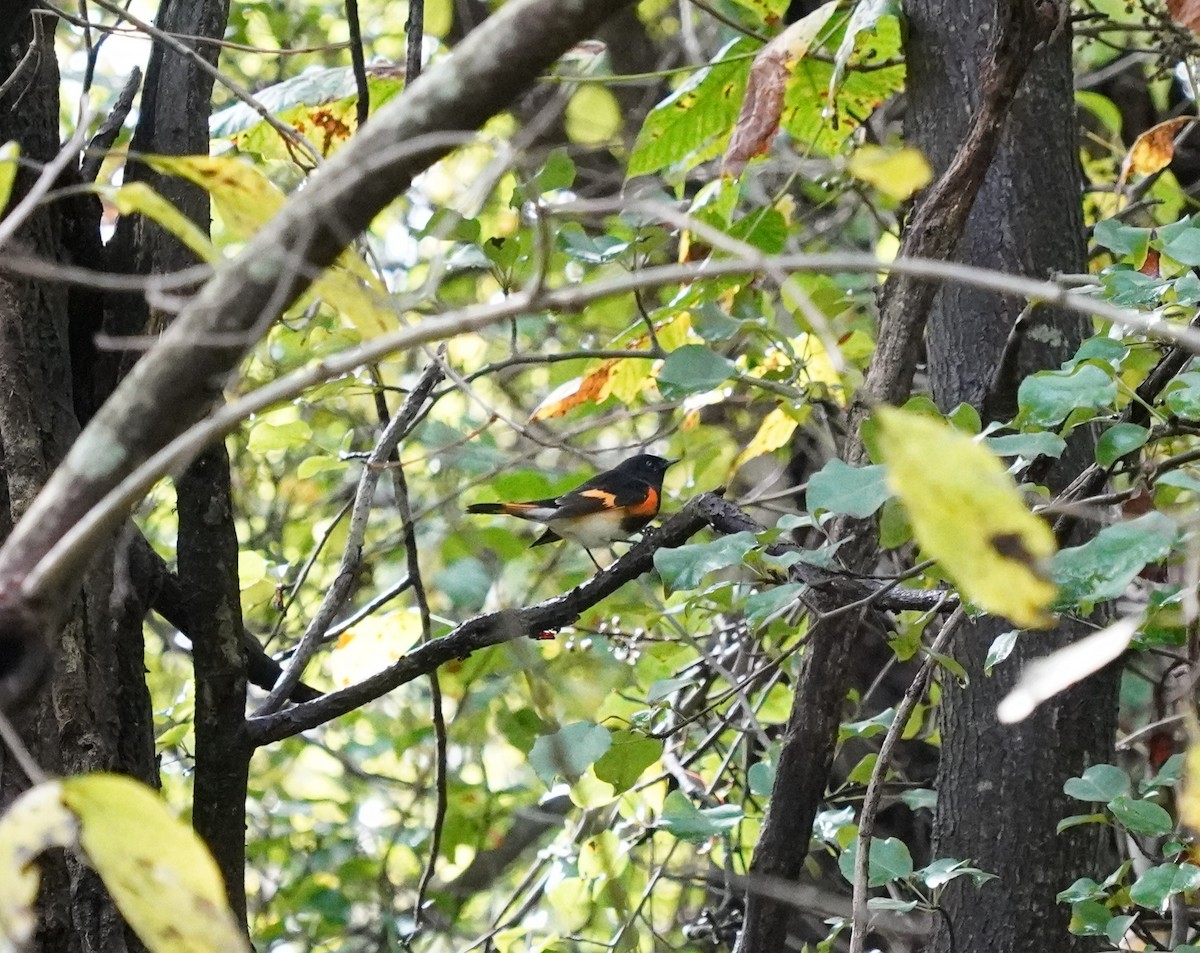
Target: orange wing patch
(608,499)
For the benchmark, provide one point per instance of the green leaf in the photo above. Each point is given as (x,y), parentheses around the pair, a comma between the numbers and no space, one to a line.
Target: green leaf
(569,752)
(1089,918)
(1125,241)
(763,605)
(919,798)
(1141,817)
(691,369)
(825,102)
(1183,396)
(1154,887)
(1078,820)
(1048,397)
(854,491)
(861,772)
(9,153)
(631,754)
(693,123)
(1000,649)
(1103,567)
(1119,440)
(889,860)
(761,778)
(1082,889)
(1028,445)
(685,566)
(868,727)
(265,436)
(940,872)
(1184,247)
(687,822)
(1100,782)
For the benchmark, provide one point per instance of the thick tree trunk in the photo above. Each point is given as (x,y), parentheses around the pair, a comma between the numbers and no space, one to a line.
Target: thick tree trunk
(1000,787)
(176,102)
(93,713)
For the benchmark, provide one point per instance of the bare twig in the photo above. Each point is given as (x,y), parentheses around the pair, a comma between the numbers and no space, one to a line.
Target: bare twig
(347,571)
(870,807)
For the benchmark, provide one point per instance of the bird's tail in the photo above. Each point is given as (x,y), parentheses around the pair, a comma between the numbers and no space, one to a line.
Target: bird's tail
(526,511)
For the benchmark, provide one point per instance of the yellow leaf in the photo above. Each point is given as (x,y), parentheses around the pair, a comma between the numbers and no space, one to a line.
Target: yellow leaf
(246,200)
(159,873)
(1189,797)
(141,198)
(967,514)
(775,431)
(593,117)
(34,822)
(9,152)
(897,173)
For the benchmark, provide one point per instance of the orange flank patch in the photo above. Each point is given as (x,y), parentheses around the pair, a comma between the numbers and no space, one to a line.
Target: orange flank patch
(648,507)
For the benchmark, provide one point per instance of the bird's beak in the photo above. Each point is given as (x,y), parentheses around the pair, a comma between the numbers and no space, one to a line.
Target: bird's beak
(671,463)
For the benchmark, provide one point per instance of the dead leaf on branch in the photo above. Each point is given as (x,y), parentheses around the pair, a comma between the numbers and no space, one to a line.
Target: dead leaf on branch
(763,105)
(1154,149)
(1186,13)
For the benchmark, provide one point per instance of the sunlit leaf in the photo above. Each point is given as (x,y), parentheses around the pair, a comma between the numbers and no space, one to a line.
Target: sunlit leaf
(1154,149)
(9,153)
(158,871)
(774,432)
(697,118)
(897,173)
(33,823)
(967,514)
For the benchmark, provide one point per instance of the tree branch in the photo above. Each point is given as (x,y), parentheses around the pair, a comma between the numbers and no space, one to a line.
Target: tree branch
(177,382)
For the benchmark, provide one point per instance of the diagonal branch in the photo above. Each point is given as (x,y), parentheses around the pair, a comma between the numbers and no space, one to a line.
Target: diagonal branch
(177,382)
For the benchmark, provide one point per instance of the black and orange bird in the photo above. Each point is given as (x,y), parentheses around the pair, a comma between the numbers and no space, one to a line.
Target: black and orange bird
(606,509)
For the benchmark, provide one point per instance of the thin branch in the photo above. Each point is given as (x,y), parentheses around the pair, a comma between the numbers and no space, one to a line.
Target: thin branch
(347,571)
(481,631)
(362,108)
(71,547)
(20,213)
(414,31)
(870,807)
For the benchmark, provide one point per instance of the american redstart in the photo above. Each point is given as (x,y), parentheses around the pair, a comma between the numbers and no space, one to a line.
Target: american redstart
(605,509)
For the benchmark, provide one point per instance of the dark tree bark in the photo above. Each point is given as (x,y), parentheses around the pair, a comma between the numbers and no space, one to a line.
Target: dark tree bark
(1000,787)
(93,711)
(174,121)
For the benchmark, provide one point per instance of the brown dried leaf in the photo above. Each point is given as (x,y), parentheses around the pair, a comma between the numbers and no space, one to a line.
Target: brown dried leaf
(758,120)
(570,395)
(1154,149)
(1186,13)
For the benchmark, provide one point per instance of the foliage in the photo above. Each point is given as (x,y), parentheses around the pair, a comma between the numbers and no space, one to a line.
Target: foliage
(601,785)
